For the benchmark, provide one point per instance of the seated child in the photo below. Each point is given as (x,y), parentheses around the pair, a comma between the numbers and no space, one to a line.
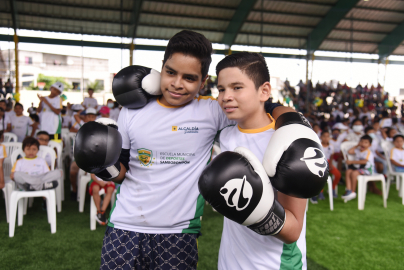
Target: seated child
(96,184)
(397,153)
(329,151)
(43,139)
(31,172)
(362,165)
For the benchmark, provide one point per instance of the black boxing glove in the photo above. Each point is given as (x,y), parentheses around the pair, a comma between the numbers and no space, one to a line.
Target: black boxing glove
(133,86)
(294,159)
(97,147)
(237,186)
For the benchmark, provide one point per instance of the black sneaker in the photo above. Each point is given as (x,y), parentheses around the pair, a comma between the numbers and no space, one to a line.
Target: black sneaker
(50,185)
(73,196)
(101,218)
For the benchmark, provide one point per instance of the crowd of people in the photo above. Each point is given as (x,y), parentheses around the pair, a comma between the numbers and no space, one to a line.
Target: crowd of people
(44,124)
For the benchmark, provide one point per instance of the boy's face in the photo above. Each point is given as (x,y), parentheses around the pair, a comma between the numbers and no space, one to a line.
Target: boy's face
(181,79)
(364,144)
(31,151)
(18,110)
(238,97)
(325,137)
(90,93)
(43,139)
(54,92)
(335,134)
(3,105)
(399,142)
(90,117)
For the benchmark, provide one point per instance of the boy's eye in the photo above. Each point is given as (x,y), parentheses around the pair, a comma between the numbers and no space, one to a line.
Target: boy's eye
(189,79)
(220,90)
(237,88)
(170,72)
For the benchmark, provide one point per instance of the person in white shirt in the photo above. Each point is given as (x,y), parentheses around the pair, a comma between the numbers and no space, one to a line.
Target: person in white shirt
(90,102)
(49,109)
(386,120)
(104,112)
(357,131)
(43,139)
(397,153)
(5,122)
(338,113)
(21,124)
(114,109)
(362,165)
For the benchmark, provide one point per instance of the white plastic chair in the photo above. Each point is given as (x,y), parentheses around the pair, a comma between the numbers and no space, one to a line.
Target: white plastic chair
(331,198)
(16,197)
(59,163)
(93,208)
(363,179)
(82,181)
(10,137)
(399,176)
(66,141)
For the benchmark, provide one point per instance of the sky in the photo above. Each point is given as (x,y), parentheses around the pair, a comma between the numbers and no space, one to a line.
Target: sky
(291,69)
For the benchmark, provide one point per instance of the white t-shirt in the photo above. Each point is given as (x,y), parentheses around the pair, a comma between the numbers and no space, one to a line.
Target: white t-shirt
(386,122)
(353,137)
(362,155)
(67,121)
(240,247)
(338,113)
(31,166)
(169,148)
(47,158)
(51,122)
(20,126)
(10,114)
(78,125)
(114,114)
(90,102)
(397,155)
(6,122)
(328,150)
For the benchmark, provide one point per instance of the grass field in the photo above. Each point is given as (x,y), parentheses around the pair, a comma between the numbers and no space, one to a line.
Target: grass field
(343,239)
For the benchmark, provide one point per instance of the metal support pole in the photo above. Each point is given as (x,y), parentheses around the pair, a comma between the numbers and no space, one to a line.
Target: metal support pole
(17,81)
(385,72)
(131,48)
(82,66)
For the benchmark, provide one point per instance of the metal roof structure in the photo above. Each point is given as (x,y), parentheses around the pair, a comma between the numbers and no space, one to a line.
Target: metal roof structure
(373,26)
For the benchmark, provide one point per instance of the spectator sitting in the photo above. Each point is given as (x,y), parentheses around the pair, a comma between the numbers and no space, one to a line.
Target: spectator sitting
(316,129)
(96,184)
(386,121)
(3,155)
(361,165)
(20,124)
(397,153)
(90,115)
(329,151)
(339,133)
(9,109)
(5,123)
(76,108)
(31,172)
(43,139)
(8,86)
(388,133)
(90,102)
(66,119)
(114,109)
(357,131)
(380,160)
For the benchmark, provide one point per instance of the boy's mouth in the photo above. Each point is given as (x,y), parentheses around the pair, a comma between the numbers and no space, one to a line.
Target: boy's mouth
(229,109)
(175,94)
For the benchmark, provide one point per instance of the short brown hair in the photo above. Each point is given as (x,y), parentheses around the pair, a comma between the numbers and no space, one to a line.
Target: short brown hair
(27,142)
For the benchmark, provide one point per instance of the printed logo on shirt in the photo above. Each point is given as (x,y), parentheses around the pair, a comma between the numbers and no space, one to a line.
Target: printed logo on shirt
(186,129)
(145,156)
(315,161)
(237,192)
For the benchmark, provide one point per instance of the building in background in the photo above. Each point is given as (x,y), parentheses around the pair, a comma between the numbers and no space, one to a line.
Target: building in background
(31,64)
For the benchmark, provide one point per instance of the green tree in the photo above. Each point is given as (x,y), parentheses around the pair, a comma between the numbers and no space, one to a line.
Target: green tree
(96,85)
(49,80)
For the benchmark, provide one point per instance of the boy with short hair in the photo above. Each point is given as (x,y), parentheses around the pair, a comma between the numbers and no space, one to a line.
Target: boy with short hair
(363,164)
(243,84)
(397,153)
(49,109)
(96,184)
(31,172)
(90,102)
(5,122)
(43,139)
(20,124)
(165,146)
(90,115)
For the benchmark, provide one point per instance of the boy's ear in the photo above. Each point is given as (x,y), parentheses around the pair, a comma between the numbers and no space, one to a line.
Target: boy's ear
(203,82)
(265,91)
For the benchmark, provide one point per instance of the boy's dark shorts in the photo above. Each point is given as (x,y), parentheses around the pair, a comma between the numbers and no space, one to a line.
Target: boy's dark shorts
(362,171)
(132,250)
